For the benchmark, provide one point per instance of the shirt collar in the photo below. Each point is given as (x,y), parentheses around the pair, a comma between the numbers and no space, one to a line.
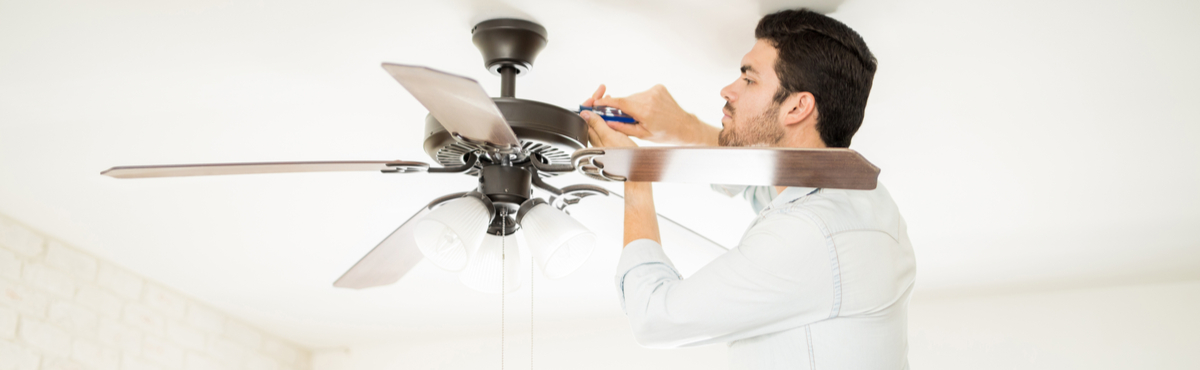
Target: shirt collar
(791,194)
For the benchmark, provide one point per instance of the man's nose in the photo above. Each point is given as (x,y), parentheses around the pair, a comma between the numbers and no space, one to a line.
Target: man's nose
(727,93)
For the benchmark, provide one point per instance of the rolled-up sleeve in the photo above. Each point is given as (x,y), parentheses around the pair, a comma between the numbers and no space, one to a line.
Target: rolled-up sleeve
(645,260)
(779,277)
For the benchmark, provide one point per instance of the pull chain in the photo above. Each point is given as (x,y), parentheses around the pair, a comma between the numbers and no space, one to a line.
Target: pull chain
(530,311)
(503,224)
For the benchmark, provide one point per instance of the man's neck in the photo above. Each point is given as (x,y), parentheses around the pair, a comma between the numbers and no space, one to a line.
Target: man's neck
(810,139)
(806,141)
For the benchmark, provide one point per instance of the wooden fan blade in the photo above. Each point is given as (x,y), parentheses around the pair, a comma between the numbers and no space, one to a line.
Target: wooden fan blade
(819,168)
(458,103)
(391,258)
(388,261)
(130,172)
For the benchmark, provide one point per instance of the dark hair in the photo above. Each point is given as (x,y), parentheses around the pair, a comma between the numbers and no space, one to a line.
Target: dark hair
(822,56)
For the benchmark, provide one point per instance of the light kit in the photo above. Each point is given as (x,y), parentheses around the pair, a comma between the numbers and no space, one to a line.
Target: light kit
(559,244)
(496,263)
(448,235)
(466,234)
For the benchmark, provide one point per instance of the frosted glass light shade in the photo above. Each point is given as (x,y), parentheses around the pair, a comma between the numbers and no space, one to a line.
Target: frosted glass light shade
(558,242)
(449,234)
(483,271)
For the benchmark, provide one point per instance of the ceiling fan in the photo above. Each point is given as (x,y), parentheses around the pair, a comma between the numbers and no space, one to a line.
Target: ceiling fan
(512,145)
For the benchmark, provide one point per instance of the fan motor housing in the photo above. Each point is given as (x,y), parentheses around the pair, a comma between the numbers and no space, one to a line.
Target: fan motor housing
(548,133)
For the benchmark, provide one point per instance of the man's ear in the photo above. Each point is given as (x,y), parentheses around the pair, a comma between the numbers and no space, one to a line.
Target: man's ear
(798,107)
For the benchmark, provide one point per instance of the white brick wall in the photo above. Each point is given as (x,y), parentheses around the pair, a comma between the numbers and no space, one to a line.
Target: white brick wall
(61,308)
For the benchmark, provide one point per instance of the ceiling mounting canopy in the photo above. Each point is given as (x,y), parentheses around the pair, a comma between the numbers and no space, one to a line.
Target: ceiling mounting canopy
(512,42)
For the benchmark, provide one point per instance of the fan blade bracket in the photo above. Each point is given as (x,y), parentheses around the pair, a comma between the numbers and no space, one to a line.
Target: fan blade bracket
(486,146)
(585,190)
(541,184)
(536,162)
(405,167)
(572,194)
(585,161)
(415,167)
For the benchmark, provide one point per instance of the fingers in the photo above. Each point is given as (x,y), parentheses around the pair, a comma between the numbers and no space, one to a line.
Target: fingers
(631,129)
(608,100)
(596,95)
(600,134)
(593,136)
(594,140)
(593,120)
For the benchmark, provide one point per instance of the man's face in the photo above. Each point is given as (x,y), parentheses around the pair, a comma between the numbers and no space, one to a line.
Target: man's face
(751,115)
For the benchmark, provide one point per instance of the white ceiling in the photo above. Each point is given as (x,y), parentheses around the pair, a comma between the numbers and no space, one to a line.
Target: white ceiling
(1027,143)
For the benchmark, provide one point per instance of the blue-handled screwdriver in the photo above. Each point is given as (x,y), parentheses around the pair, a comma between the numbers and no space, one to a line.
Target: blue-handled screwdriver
(609,113)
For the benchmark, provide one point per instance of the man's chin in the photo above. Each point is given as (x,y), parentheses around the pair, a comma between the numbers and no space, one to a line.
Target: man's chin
(722,140)
(729,142)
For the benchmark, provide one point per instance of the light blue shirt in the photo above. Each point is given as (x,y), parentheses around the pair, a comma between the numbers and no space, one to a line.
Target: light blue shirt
(820,280)
(759,197)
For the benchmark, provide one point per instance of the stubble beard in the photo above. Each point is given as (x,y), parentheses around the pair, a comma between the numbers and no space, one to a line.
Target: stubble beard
(759,130)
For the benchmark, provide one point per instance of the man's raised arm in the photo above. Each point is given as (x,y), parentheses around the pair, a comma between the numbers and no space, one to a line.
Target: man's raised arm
(660,118)
(641,221)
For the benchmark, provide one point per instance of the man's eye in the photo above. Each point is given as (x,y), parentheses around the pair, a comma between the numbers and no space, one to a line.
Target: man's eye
(747,81)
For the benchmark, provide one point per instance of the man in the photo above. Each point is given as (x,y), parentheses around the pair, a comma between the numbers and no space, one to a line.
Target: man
(822,277)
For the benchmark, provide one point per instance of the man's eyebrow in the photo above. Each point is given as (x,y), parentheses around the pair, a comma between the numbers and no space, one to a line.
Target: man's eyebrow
(748,69)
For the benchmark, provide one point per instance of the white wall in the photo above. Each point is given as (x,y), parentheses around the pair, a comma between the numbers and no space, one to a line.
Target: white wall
(64,309)
(600,343)
(1119,327)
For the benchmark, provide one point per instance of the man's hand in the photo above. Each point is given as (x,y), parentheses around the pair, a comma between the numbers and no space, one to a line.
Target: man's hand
(600,132)
(601,135)
(660,119)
